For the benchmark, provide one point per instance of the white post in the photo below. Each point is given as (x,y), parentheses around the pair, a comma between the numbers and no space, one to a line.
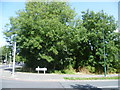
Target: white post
(13,70)
(38,69)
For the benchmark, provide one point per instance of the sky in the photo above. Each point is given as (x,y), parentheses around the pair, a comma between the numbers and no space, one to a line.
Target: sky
(8,9)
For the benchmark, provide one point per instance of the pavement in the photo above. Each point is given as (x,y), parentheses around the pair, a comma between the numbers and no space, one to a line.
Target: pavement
(22,80)
(7,74)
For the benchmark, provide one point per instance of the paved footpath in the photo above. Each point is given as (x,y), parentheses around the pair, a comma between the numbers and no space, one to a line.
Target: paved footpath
(35,80)
(44,77)
(0,79)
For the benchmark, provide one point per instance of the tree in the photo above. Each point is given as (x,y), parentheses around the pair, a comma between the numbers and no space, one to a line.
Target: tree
(100,34)
(40,30)
(49,35)
(5,53)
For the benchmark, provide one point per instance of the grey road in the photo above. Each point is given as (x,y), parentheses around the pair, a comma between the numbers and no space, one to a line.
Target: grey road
(36,81)
(60,84)
(3,66)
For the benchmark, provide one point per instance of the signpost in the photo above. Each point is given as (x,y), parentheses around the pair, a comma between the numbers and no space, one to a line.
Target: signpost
(41,69)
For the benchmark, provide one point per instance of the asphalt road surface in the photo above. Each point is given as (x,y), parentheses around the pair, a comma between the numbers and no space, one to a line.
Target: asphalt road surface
(64,85)
(60,84)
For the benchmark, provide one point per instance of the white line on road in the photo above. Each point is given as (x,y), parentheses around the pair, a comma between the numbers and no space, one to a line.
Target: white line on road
(108,87)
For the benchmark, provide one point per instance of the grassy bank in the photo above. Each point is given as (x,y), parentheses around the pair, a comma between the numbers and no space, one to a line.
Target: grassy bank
(91,78)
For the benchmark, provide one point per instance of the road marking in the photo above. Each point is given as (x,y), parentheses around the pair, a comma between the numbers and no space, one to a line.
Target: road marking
(108,87)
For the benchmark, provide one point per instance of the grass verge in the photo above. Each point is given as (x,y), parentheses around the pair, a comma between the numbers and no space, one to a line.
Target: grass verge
(92,78)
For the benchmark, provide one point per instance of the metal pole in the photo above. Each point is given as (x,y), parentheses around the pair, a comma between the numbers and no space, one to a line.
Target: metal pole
(13,70)
(104,55)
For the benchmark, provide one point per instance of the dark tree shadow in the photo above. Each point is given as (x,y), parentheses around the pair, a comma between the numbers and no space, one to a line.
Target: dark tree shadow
(85,87)
(17,69)
(8,70)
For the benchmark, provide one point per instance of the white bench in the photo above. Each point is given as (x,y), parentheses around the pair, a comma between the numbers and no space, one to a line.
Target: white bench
(41,69)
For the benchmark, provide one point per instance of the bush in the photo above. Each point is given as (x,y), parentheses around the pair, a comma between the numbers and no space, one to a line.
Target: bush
(57,72)
(112,70)
(69,70)
(90,69)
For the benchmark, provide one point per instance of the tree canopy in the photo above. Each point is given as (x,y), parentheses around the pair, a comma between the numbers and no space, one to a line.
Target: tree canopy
(48,34)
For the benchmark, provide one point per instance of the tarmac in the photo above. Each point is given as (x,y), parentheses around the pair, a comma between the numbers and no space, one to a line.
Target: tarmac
(7,74)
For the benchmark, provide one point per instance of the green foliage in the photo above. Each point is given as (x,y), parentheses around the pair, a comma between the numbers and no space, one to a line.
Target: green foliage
(90,69)
(48,58)
(57,72)
(19,58)
(92,78)
(68,71)
(5,50)
(5,53)
(100,33)
(49,35)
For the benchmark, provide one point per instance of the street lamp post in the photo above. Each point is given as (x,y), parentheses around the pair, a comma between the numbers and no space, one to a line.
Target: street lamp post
(14,52)
(104,55)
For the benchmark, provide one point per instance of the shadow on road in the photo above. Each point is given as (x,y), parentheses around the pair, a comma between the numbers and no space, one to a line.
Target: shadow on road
(17,69)
(8,70)
(85,87)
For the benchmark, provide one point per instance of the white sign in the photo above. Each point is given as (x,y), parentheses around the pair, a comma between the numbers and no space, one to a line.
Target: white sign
(41,69)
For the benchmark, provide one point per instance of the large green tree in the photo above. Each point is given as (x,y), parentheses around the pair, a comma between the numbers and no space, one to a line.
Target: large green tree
(49,35)
(40,30)
(100,39)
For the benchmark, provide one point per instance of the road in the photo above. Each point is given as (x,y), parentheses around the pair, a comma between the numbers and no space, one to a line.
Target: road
(60,84)
(3,66)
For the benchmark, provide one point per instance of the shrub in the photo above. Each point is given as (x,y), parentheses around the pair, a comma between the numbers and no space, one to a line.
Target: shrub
(90,69)
(112,70)
(69,70)
(57,72)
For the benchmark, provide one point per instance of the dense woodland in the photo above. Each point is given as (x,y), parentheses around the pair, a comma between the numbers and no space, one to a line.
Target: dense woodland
(50,34)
